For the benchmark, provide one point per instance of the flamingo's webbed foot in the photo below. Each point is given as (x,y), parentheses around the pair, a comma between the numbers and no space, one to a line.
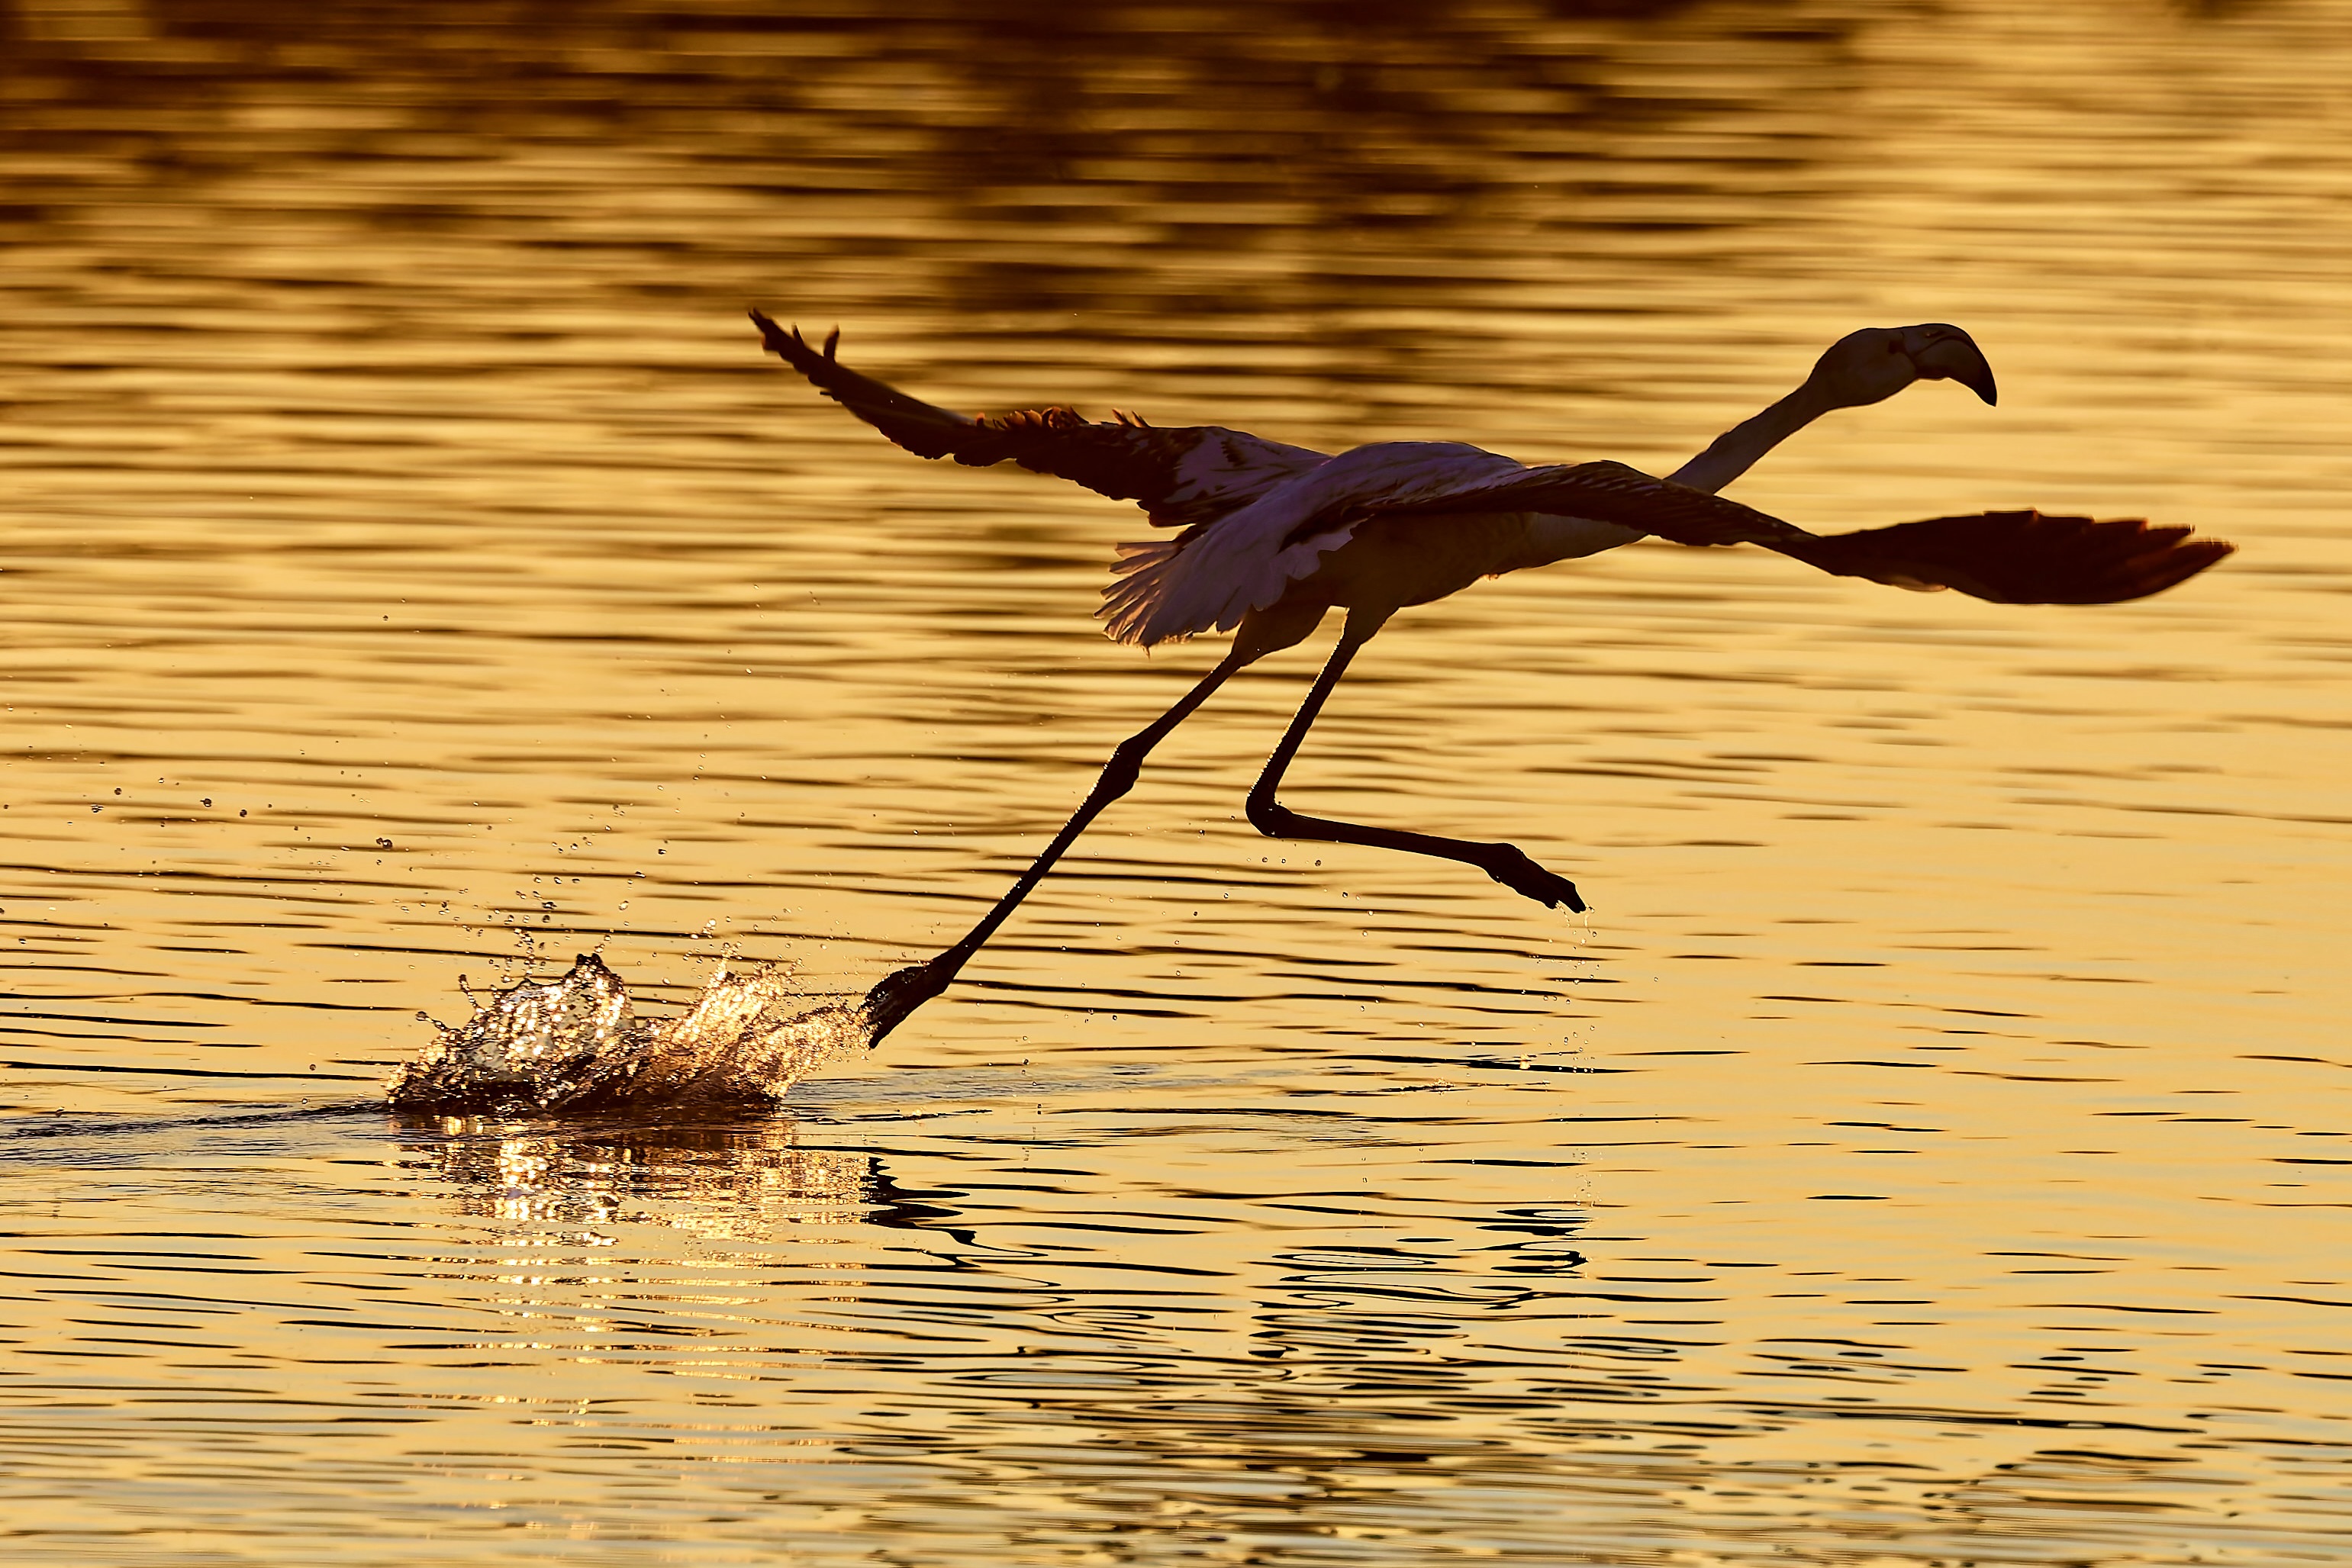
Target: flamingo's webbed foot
(1512,868)
(902,992)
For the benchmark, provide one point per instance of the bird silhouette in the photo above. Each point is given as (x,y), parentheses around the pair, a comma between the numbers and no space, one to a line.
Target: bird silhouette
(1269,538)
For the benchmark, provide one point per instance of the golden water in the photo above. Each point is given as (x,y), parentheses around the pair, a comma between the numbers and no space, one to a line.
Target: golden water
(1933,1148)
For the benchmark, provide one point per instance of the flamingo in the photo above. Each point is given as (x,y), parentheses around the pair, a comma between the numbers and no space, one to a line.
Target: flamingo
(1270,537)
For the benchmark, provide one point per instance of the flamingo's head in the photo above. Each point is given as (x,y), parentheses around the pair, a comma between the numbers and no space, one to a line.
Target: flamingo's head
(1874,364)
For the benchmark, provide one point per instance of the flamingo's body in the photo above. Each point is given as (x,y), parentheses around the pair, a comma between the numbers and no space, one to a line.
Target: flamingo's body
(1274,537)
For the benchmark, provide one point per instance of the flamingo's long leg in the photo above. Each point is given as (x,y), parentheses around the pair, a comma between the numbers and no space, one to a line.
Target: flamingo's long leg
(1506,863)
(903,991)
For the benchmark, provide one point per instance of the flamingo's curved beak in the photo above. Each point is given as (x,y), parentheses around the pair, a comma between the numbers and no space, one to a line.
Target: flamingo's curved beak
(1943,352)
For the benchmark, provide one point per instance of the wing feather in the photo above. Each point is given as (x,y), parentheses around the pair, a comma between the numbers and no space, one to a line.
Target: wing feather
(1214,573)
(1179,475)
(2024,557)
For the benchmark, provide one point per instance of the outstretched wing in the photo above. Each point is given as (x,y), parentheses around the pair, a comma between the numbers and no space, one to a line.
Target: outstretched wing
(2007,558)
(1178,476)
(2023,558)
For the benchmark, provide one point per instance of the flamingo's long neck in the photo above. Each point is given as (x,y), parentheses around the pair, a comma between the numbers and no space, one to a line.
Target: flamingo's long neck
(1737,450)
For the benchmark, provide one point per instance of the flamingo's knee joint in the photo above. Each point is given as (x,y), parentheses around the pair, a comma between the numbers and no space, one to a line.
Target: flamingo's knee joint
(1266,814)
(1119,774)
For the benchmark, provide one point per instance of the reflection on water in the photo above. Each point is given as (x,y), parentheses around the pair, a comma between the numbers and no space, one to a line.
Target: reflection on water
(1931,1149)
(728,1184)
(733,1330)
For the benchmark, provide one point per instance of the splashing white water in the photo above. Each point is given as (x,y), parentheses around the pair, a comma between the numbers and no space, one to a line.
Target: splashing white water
(573,1044)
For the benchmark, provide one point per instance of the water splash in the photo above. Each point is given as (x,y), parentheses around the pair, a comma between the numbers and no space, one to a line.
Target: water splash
(573,1044)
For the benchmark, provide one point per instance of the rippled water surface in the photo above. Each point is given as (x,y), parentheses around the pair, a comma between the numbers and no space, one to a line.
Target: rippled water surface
(1931,1149)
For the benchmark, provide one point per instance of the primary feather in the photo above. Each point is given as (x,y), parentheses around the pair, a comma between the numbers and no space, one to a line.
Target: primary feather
(1179,475)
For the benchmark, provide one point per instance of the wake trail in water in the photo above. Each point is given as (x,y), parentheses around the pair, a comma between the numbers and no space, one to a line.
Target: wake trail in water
(575,1044)
(51,1129)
